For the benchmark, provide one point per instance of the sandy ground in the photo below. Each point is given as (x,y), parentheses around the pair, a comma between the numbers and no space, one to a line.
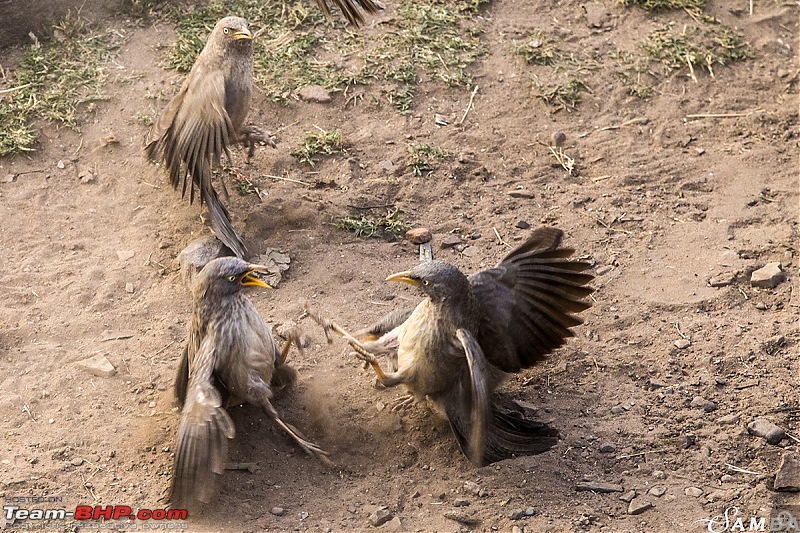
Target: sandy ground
(661,205)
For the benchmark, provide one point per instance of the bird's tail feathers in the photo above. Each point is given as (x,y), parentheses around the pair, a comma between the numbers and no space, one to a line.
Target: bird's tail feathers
(202,447)
(222,225)
(283,376)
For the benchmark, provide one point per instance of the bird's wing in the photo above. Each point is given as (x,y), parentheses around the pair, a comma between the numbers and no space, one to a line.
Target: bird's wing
(191,135)
(182,378)
(349,9)
(203,434)
(384,325)
(528,301)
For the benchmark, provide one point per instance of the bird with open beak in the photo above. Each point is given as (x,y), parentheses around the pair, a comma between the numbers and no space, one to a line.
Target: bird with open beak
(207,116)
(230,353)
(458,344)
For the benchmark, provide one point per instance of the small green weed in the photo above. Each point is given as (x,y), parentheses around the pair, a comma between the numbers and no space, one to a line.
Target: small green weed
(424,157)
(537,49)
(315,143)
(562,96)
(363,226)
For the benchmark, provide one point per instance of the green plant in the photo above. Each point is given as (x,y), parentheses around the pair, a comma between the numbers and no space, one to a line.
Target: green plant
(322,142)
(424,157)
(363,226)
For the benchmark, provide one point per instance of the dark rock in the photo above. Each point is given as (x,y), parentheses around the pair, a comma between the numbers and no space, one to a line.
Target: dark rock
(451,241)
(460,502)
(628,496)
(522,224)
(761,427)
(380,517)
(607,447)
(522,194)
(462,518)
(787,478)
(638,507)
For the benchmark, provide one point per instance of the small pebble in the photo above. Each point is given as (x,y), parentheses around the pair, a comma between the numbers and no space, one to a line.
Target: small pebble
(628,496)
(638,507)
(728,420)
(460,502)
(151,405)
(659,474)
(418,235)
(605,269)
(767,277)
(278,511)
(475,236)
(516,514)
(682,343)
(693,492)
(617,410)
(129,288)
(559,138)
(380,517)
(472,488)
(522,194)
(522,224)
(761,427)
(657,491)
(77,461)
(607,448)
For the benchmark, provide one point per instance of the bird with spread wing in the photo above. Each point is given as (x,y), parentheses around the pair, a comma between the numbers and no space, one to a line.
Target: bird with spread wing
(458,344)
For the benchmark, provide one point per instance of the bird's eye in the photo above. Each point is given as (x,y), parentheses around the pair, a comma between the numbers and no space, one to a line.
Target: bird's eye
(231,278)
(226,31)
(426,282)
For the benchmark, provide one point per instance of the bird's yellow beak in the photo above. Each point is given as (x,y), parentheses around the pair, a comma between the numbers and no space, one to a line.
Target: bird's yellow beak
(405,277)
(249,279)
(243,34)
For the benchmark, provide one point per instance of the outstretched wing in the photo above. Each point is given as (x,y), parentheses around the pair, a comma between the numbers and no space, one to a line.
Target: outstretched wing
(529,301)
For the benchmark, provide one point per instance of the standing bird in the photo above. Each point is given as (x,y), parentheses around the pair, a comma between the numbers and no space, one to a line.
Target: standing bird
(230,351)
(206,118)
(459,343)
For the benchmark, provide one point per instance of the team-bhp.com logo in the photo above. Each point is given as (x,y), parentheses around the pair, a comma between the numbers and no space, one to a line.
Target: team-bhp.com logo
(783,519)
(42,516)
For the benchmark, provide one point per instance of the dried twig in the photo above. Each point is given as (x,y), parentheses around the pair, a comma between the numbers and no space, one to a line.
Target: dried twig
(723,115)
(499,238)
(469,106)
(289,179)
(742,470)
(628,456)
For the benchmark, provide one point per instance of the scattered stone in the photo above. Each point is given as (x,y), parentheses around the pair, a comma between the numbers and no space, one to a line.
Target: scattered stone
(77,461)
(522,224)
(693,492)
(787,478)
(526,406)
(617,410)
(61,164)
(728,420)
(86,177)
(278,511)
(605,269)
(682,344)
(659,474)
(530,511)
(767,277)
(461,518)
(8,178)
(314,93)
(657,491)
(129,288)
(722,280)
(198,254)
(607,447)
(419,235)
(559,138)
(472,488)
(151,405)
(522,194)
(761,427)
(638,507)
(380,517)
(124,255)
(108,335)
(475,236)
(761,306)
(655,384)
(98,365)
(303,515)
(460,502)
(628,496)
(598,486)
(470,251)
(516,514)
(388,166)
(517,529)
(451,241)
(395,524)
(699,402)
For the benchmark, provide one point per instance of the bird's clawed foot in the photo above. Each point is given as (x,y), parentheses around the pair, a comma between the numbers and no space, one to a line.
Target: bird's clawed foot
(252,135)
(403,402)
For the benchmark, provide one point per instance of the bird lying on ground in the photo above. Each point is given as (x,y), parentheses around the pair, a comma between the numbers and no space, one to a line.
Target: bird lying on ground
(230,352)
(207,116)
(458,344)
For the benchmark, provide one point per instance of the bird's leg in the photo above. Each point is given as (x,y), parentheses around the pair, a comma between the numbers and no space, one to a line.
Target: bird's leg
(293,336)
(251,135)
(403,402)
(360,350)
(307,446)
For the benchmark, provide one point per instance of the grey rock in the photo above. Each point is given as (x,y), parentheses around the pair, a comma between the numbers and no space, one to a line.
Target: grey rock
(558,138)
(522,224)
(278,511)
(380,517)
(728,420)
(387,165)
(198,254)
(451,241)
(682,344)
(598,486)
(617,410)
(460,502)
(698,402)
(97,365)
(472,488)
(693,492)
(77,461)
(522,194)
(395,524)
(723,279)
(657,491)
(761,427)
(628,496)
(787,478)
(516,514)
(768,276)
(638,507)
(605,269)
(659,474)
(461,518)
(314,93)
(471,251)
(276,262)
(607,447)
(530,511)
(517,529)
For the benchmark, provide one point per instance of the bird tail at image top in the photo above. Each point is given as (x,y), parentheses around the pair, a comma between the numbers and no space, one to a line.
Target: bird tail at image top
(202,448)
(349,9)
(223,227)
